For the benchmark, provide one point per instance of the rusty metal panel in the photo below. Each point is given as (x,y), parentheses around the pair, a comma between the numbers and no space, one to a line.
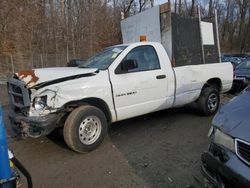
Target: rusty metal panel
(186,41)
(165,8)
(166,32)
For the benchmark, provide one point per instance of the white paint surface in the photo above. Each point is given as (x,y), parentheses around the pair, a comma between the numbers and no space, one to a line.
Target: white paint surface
(207,33)
(190,79)
(48,74)
(149,94)
(146,23)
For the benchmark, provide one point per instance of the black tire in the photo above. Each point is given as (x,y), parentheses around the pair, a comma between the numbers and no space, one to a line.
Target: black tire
(209,101)
(85,128)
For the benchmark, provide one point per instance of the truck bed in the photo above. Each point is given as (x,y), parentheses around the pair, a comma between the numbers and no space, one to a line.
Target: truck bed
(191,78)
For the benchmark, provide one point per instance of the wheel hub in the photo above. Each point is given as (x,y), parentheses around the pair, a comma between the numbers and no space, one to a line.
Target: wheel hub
(212,102)
(89,130)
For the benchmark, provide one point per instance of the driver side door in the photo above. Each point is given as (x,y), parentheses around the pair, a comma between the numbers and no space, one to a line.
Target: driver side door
(142,89)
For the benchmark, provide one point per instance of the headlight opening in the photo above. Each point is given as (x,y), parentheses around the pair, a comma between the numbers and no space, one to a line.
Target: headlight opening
(224,140)
(40,102)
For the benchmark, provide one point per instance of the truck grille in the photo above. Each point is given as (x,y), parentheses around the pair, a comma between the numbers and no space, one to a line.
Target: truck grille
(243,150)
(18,93)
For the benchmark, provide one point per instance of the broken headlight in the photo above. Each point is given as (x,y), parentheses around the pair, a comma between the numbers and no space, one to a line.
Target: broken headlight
(40,102)
(224,140)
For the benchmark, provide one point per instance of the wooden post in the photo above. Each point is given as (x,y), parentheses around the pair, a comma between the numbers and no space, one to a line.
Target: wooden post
(202,47)
(217,34)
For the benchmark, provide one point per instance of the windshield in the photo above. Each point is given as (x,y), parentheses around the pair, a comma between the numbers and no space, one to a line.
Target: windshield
(103,59)
(244,65)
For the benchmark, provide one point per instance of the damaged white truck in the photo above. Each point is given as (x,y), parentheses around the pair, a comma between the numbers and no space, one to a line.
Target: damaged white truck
(121,82)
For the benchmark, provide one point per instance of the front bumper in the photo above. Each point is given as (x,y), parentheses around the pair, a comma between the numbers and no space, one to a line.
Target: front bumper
(222,166)
(35,126)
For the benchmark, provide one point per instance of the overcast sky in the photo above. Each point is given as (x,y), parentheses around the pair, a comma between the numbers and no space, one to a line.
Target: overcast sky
(159,2)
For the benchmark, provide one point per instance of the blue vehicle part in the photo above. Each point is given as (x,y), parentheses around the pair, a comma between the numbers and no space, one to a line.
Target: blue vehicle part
(5,170)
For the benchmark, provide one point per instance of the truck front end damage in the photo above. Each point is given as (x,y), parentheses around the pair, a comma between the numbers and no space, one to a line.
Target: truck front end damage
(30,116)
(33,127)
(39,97)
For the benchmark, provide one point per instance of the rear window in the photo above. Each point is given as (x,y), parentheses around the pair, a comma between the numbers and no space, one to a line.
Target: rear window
(244,65)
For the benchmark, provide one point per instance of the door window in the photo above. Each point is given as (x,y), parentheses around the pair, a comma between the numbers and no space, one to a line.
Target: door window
(145,57)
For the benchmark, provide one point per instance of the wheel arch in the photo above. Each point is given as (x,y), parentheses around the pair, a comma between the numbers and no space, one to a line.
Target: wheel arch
(97,102)
(215,83)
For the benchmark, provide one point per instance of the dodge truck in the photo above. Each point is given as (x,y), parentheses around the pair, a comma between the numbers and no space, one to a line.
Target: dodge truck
(121,82)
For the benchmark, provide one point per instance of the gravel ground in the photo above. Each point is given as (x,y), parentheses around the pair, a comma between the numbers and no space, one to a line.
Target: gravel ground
(158,150)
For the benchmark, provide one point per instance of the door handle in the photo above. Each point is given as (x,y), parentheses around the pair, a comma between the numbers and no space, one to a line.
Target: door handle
(161,76)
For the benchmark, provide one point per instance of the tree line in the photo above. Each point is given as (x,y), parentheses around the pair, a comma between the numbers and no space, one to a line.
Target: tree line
(233,20)
(51,32)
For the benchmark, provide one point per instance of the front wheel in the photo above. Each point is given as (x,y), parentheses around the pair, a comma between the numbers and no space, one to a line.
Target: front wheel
(85,128)
(209,101)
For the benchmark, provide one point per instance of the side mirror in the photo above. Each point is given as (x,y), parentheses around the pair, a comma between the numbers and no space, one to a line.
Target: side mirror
(129,64)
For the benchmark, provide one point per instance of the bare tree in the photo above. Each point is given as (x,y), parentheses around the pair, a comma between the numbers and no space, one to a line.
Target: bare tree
(192,10)
(210,9)
(175,6)
(245,38)
(142,4)
(38,33)
(180,7)
(243,9)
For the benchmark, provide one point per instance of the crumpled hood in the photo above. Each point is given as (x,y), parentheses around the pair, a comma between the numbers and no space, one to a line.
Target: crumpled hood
(38,76)
(234,117)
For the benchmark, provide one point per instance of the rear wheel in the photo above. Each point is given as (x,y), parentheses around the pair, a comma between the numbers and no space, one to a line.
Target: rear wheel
(85,128)
(209,101)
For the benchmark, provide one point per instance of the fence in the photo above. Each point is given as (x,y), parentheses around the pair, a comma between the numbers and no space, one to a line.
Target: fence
(13,63)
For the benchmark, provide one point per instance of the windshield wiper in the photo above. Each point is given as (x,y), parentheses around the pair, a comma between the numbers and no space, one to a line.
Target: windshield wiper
(97,69)
(83,66)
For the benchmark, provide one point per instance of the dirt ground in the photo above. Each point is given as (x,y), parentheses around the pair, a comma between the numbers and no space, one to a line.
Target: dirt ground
(158,150)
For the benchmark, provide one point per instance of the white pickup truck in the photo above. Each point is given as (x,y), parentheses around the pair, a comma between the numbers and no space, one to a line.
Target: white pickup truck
(121,82)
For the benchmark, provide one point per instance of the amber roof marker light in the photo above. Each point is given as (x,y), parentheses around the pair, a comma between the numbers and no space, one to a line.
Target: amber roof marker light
(143,38)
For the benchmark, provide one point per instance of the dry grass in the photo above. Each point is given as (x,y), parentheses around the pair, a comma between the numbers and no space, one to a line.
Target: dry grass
(3,95)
